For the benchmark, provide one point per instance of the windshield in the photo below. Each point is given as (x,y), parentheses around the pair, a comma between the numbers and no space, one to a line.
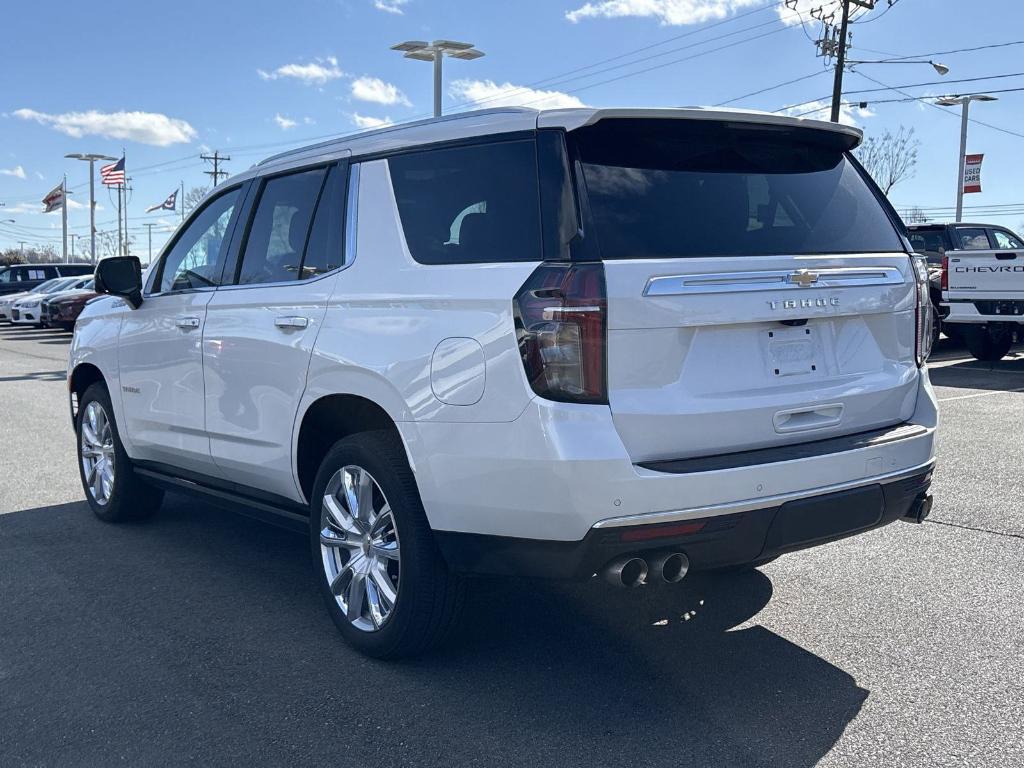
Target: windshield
(673,189)
(55,285)
(43,287)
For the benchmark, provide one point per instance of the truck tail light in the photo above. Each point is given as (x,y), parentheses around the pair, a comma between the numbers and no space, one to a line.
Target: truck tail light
(945,274)
(562,328)
(923,314)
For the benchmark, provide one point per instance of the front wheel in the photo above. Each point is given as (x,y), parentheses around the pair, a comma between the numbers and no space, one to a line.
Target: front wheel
(386,585)
(112,489)
(986,344)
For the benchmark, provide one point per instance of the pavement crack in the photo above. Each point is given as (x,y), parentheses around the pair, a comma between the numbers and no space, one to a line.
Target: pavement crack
(975,528)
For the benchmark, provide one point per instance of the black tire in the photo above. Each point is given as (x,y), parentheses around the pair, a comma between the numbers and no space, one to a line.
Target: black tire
(987,345)
(429,596)
(69,327)
(130,498)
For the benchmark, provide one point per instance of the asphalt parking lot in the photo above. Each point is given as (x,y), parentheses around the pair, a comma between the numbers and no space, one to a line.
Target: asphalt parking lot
(198,636)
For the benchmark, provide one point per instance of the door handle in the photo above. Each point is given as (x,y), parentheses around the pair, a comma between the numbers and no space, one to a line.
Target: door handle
(1006,256)
(286,323)
(187,323)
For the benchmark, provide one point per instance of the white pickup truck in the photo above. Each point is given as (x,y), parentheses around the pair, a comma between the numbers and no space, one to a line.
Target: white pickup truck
(982,283)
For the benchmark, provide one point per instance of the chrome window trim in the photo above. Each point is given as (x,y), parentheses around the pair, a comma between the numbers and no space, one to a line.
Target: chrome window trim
(776,279)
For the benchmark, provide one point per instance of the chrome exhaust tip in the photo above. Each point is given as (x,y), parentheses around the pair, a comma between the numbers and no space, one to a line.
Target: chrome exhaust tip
(626,572)
(670,566)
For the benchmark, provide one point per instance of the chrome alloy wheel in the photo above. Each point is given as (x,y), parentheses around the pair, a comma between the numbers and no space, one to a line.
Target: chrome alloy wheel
(359,547)
(97,443)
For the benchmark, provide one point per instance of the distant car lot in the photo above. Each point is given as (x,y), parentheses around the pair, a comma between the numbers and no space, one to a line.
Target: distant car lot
(197,635)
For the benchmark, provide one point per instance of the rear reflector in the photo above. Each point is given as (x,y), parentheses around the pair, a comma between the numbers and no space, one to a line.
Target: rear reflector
(649,532)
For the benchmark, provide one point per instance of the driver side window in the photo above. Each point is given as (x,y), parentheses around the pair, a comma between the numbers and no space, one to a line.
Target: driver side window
(197,257)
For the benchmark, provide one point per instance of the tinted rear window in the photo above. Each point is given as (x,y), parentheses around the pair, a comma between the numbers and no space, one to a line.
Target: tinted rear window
(673,189)
(470,204)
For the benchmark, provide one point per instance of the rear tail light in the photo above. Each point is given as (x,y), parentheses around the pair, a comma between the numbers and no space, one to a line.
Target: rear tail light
(923,313)
(561,324)
(945,273)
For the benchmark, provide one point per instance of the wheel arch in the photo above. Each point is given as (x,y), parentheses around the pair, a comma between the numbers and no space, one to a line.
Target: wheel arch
(330,418)
(83,376)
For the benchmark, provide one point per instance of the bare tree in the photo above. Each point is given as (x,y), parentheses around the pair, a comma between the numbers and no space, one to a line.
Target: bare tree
(891,157)
(10,256)
(32,254)
(914,215)
(193,197)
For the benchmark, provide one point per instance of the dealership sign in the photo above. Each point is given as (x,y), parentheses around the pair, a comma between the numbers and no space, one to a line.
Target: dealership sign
(972,173)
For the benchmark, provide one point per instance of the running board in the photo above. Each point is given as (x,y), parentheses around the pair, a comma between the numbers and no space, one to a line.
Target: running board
(264,511)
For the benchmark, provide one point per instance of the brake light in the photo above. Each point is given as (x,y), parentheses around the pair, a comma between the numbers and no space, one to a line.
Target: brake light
(945,274)
(561,326)
(923,312)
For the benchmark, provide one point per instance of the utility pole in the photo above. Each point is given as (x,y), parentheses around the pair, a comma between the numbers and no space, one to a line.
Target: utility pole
(837,86)
(73,235)
(127,239)
(120,242)
(216,158)
(149,233)
(64,217)
(21,247)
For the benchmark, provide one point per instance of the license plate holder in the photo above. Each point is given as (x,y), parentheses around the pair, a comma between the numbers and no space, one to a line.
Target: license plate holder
(791,351)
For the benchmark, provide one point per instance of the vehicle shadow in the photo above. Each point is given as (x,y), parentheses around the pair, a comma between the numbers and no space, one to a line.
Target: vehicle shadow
(1004,374)
(200,635)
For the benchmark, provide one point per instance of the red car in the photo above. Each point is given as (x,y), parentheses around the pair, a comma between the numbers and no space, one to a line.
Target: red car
(62,311)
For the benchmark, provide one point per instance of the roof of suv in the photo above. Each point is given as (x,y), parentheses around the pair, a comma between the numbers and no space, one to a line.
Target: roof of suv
(511,119)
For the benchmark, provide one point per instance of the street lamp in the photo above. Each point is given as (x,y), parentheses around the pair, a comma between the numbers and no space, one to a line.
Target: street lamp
(965,102)
(939,67)
(435,52)
(91,159)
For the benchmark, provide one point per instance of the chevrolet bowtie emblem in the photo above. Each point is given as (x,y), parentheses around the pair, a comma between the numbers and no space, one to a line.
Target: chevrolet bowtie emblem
(803,277)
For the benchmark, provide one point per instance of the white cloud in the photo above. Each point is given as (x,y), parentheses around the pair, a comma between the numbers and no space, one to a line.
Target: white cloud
(377,91)
(390,6)
(822,110)
(673,12)
(366,122)
(316,72)
(40,176)
(487,93)
(284,123)
(143,127)
(17,172)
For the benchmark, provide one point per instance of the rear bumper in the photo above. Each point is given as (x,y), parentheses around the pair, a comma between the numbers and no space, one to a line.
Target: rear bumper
(561,470)
(984,311)
(711,542)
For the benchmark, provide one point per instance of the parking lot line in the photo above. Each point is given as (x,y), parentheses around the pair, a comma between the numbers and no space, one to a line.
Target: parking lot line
(980,394)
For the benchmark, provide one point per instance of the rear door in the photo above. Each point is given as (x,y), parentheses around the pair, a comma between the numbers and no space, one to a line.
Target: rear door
(985,274)
(262,325)
(758,292)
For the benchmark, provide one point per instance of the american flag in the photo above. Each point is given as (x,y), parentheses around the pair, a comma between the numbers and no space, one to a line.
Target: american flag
(113,174)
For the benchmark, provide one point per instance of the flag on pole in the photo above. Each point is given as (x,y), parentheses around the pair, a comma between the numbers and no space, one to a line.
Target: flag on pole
(113,174)
(54,200)
(972,173)
(170,204)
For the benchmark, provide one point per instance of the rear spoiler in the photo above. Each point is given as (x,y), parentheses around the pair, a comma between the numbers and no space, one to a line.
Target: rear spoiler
(573,119)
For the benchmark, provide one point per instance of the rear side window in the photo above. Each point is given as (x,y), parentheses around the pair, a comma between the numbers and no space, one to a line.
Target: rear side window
(325,251)
(470,205)
(1006,241)
(973,238)
(280,226)
(676,189)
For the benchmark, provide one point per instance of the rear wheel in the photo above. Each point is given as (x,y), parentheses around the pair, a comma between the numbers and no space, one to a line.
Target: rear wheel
(987,344)
(111,487)
(386,585)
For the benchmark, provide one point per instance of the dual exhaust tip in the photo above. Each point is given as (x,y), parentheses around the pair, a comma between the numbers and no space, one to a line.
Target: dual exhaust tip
(633,571)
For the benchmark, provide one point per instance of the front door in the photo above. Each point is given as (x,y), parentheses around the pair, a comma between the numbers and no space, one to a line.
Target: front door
(160,348)
(261,328)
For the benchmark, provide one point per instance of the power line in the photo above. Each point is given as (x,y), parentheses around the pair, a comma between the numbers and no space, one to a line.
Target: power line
(216,158)
(771,88)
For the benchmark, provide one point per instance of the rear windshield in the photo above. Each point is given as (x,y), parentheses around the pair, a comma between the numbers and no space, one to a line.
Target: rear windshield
(676,189)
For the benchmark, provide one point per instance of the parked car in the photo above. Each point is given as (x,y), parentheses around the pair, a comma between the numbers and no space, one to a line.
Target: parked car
(7,300)
(935,240)
(632,343)
(62,309)
(24,310)
(26,277)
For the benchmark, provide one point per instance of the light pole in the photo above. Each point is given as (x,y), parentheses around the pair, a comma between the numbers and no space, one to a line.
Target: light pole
(91,159)
(435,52)
(965,102)
(939,67)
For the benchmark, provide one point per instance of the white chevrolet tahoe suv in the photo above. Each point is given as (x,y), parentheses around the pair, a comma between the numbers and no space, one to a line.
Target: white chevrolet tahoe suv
(562,343)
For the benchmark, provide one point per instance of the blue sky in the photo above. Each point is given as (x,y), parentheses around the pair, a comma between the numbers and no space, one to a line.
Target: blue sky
(169,81)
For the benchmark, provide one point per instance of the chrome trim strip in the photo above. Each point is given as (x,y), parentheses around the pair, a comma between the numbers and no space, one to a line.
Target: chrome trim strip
(739,282)
(714,510)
